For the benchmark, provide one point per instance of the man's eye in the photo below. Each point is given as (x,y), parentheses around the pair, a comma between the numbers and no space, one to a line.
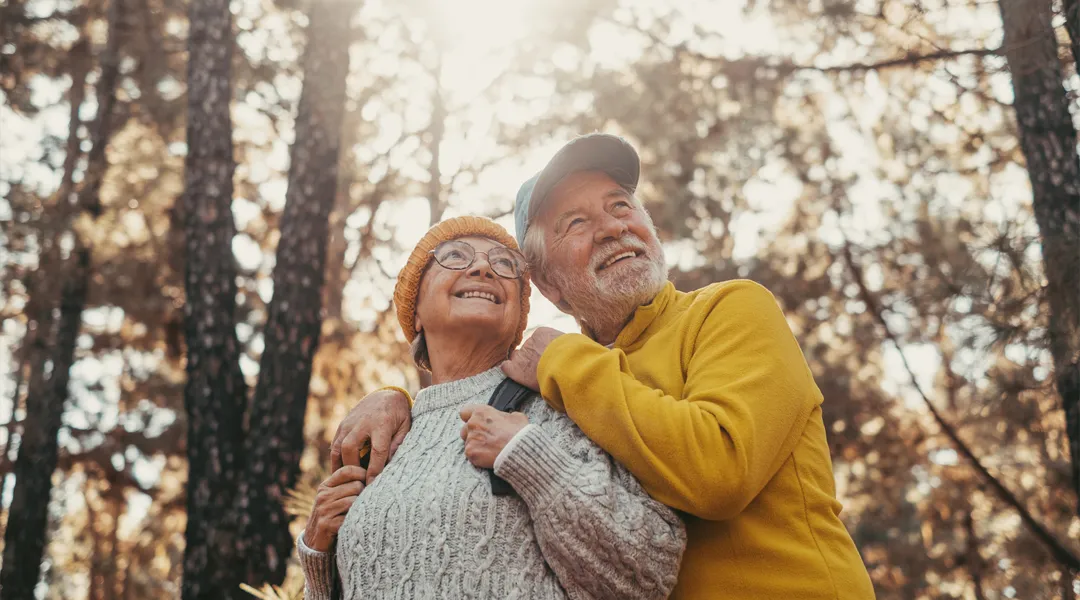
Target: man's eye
(574,222)
(622,204)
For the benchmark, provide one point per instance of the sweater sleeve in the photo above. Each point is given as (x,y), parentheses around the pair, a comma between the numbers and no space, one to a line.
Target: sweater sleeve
(600,533)
(747,396)
(318,570)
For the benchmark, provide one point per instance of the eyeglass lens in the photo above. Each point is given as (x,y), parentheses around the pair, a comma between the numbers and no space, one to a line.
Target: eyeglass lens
(457,255)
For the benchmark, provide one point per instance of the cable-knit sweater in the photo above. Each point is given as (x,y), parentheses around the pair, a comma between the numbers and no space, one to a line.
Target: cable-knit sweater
(429,526)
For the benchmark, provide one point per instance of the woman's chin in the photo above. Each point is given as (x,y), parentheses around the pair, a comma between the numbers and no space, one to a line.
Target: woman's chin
(482,321)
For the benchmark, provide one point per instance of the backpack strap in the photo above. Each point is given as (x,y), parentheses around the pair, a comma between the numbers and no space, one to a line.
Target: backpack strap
(508,397)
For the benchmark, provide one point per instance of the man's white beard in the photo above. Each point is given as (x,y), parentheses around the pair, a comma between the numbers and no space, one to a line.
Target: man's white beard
(602,302)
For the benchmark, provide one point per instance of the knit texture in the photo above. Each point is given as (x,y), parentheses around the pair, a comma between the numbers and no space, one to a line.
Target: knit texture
(408,284)
(429,526)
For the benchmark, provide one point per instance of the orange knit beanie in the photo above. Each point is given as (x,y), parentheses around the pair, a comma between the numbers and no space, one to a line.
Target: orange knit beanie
(408,283)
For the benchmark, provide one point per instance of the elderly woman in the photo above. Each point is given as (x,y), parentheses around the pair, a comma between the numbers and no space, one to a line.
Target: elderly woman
(430,526)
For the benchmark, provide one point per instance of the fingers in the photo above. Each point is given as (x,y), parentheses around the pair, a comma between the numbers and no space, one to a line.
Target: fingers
(337,507)
(467,411)
(335,457)
(512,371)
(335,446)
(345,475)
(353,444)
(380,451)
(398,438)
(507,366)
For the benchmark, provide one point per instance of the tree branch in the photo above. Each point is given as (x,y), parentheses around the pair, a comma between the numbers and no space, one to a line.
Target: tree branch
(1061,554)
(909,59)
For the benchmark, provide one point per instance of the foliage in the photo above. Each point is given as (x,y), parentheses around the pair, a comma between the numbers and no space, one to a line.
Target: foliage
(861,159)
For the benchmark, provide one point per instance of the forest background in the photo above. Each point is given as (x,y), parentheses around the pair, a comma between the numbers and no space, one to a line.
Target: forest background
(205,203)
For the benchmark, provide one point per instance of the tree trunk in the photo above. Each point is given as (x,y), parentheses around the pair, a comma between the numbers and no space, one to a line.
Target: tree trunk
(1071,8)
(973,558)
(215,394)
(276,438)
(27,530)
(333,293)
(437,129)
(1048,140)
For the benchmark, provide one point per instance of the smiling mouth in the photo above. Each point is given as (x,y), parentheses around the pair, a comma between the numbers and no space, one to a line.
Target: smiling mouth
(620,257)
(481,295)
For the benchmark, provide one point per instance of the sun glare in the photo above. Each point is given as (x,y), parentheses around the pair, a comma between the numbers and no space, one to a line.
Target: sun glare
(472,33)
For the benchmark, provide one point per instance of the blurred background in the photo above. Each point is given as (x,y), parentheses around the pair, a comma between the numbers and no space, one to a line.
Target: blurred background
(863,159)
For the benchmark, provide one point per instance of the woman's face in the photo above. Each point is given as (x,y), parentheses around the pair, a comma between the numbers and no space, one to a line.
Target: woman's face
(474,300)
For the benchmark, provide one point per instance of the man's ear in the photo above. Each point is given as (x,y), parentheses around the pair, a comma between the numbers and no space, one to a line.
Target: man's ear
(550,291)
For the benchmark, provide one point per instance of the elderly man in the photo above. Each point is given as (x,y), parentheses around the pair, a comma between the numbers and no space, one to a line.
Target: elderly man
(704,396)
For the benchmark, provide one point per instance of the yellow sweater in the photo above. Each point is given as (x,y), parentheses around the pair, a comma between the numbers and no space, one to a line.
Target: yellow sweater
(707,399)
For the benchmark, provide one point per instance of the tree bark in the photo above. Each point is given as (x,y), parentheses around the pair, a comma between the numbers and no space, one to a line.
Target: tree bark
(1071,8)
(215,394)
(27,531)
(276,441)
(1048,140)
(973,558)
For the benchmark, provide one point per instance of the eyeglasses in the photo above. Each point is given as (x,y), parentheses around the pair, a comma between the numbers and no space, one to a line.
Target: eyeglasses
(457,255)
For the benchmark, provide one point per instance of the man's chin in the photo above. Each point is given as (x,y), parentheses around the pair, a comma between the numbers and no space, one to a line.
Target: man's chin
(633,279)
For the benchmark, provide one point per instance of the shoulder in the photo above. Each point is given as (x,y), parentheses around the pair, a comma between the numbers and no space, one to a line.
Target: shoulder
(560,428)
(540,413)
(736,304)
(732,292)
(736,315)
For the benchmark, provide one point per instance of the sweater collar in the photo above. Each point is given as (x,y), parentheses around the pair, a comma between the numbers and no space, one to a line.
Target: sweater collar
(644,316)
(458,392)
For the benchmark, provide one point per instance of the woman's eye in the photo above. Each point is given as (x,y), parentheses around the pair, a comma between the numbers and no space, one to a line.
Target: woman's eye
(622,204)
(574,222)
(453,255)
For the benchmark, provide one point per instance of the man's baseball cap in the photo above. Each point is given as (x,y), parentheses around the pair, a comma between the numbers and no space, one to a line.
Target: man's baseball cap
(591,152)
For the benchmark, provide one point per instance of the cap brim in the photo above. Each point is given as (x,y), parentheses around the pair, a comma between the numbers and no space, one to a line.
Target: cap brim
(598,152)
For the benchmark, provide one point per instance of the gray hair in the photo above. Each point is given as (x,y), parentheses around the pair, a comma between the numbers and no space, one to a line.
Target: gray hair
(419,351)
(533,248)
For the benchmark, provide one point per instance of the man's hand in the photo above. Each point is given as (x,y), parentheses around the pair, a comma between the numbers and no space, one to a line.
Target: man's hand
(379,421)
(333,500)
(523,362)
(487,431)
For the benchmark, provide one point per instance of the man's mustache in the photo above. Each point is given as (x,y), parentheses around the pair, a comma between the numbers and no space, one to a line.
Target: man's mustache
(627,243)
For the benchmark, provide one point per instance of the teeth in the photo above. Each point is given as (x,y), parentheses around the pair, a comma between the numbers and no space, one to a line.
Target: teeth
(485,295)
(612,260)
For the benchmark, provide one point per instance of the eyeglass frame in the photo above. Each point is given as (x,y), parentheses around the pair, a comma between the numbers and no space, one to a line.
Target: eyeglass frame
(519,255)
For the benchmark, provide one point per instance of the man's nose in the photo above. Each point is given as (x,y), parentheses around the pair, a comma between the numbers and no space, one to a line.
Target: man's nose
(610,228)
(481,267)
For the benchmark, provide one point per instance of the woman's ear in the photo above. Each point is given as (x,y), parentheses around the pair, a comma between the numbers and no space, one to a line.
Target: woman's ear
(417,326)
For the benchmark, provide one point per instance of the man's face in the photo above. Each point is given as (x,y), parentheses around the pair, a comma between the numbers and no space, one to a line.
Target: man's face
(603,258)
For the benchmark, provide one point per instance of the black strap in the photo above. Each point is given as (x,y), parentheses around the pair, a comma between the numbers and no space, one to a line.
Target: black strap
(508,397)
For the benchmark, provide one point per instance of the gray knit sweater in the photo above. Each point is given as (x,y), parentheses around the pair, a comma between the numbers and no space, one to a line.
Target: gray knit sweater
(429,526)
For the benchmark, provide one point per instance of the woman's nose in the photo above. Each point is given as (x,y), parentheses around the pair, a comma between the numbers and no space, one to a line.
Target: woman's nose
(481,267)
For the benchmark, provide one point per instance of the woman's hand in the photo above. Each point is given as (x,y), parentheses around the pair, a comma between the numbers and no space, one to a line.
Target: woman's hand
(487,431)
(333,500)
